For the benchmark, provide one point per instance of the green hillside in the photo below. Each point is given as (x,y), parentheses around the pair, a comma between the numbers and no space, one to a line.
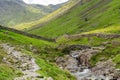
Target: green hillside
(6,72)
(86,43)
(44,20)
(14,12)
(43,58)
(90,15)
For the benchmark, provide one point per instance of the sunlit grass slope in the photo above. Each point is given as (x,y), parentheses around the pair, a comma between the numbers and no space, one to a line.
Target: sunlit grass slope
(98,15)
(47,18)
(110,29)
(44,56)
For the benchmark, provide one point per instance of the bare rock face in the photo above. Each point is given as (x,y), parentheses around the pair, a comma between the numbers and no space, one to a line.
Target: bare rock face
(83,60)
(85,56)
(102,67)
(77,59)
(77,62)
(68,63)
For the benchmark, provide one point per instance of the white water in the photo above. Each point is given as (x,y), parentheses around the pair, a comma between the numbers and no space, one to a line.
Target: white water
(85,74)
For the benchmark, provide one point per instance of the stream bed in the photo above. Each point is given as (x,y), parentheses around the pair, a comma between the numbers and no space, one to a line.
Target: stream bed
(77,62)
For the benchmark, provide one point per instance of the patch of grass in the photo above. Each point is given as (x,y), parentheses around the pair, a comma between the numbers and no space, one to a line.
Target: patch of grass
(112,51)
(116,59)
(22,40)
(92,41)
(111,29)
(48,70)
(6,72)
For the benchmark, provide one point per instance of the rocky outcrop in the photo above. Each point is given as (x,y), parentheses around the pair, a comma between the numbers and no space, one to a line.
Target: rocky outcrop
(85,56)
(22,62)
(106,69)
(77,61)
(68,63)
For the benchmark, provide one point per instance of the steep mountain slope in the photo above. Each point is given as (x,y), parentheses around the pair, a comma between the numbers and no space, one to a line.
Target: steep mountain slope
(44,20)
(48,9)
(87,15)
(14,12)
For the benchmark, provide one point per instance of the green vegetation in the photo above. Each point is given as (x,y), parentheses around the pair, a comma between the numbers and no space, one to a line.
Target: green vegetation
(15,12)
(48,68)
(44,57)
(6,72)
(91,41)
(91,16)
(53,71)
(20,39)
(34,24)
(112,51)
(117,61)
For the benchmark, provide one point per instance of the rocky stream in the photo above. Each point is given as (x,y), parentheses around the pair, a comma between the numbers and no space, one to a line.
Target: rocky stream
(77,62)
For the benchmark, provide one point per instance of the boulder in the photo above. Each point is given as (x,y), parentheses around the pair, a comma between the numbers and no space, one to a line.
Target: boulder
(49,78)
(107,69)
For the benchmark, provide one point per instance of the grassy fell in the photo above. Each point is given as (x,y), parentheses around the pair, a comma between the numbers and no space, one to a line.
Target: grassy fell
(89,17)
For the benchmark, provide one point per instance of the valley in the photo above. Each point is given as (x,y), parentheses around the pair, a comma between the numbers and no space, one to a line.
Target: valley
(91,16)
(15,12)
(78,41)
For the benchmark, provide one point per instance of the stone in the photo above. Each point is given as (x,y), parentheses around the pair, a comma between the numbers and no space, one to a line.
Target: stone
(50,78)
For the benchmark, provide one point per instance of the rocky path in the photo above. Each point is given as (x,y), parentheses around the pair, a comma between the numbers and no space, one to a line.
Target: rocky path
(25,63)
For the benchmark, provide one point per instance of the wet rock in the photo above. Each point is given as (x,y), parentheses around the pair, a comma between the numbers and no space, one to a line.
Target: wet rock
(77,62)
